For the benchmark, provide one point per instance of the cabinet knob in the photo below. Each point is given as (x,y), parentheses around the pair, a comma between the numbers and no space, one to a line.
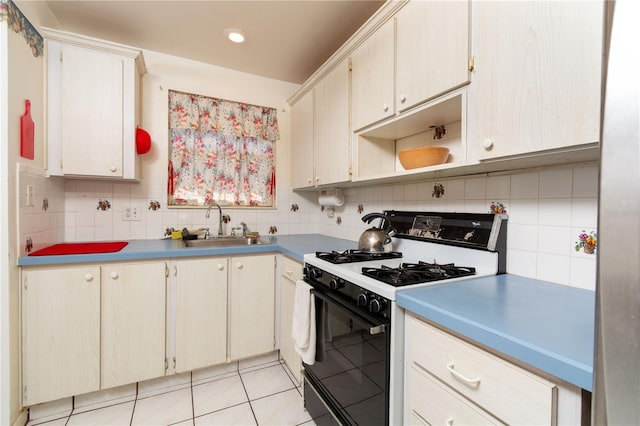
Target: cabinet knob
(88,277)
(385,107)
(114,275)
(289,271)
(449,421)
(114,169)
(239,265)
(403,99)
(309,180)
(487,144)
(317,178)
(220,266)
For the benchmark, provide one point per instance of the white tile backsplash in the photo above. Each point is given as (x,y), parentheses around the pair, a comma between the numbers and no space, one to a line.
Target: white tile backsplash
(547,208)
(556,183)
(524,186)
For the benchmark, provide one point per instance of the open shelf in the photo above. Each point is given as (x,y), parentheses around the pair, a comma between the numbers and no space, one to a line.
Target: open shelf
(376,148)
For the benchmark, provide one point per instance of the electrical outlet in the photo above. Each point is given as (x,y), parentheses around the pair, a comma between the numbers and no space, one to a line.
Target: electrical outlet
(30,195)
(131,213)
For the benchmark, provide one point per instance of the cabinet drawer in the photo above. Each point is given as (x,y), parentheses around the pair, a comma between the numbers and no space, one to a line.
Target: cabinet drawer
(291,269)
(510,393)
(430,402)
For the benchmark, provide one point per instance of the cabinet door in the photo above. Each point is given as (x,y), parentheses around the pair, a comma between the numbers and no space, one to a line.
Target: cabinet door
(60,332)
(432,50)
(133,322)
(302,142)
(201,313)
(252,311)
(291,272)
(372,78)
(92,112)
(536,84)
(331,127)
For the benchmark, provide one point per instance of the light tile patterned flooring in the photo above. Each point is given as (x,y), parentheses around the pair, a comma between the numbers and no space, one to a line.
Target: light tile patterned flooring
(258,392)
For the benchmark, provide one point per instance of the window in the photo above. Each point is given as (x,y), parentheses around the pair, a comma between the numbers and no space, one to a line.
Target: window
(221,151)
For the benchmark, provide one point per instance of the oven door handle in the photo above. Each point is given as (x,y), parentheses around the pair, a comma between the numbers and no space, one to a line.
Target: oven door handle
(375,327)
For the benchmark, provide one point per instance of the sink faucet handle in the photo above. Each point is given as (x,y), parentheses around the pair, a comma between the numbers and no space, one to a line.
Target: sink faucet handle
(234,229)
(206,232)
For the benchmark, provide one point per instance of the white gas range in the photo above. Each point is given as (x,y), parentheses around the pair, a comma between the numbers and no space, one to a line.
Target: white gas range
(359,290)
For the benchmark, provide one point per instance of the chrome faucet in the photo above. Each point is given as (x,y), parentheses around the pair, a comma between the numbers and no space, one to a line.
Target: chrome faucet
(208,214)
(245,229)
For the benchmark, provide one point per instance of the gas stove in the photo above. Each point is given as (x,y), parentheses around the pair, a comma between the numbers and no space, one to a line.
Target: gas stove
(355,295)
(456,245)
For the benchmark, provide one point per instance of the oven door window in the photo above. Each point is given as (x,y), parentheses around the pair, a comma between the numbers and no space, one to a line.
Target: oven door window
(351,371)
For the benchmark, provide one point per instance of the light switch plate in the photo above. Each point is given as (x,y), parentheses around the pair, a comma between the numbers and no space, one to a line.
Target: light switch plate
(30,195)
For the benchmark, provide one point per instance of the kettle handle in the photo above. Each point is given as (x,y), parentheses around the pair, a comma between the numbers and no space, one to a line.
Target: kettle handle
(385,225)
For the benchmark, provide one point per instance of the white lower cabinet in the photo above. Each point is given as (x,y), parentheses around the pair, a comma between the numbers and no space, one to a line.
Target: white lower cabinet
(450,381)
(224,309)
(133,322)
(60,332)
(201,313)
(86,328)
(290,271)
(251,305)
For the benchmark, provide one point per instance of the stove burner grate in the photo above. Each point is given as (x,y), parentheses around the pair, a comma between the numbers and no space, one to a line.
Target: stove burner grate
(416,273)
(351,256)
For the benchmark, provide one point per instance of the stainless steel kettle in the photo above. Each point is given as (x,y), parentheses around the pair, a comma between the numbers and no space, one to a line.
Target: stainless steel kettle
(376,240)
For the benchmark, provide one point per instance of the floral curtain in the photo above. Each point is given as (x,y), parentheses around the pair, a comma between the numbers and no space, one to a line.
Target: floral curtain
(220,151)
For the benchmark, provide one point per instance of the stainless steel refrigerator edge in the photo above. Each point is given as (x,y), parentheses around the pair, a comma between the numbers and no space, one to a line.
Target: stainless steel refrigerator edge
(616,390)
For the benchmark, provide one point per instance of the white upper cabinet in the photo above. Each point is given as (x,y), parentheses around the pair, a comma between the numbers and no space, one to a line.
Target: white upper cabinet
(372,80)
(93,98)
(331,127)
(302,142)
(537,77)
(432,53)
(418,55)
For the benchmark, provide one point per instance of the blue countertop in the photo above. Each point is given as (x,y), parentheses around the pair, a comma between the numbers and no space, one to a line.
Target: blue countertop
(294,246)
(548,326)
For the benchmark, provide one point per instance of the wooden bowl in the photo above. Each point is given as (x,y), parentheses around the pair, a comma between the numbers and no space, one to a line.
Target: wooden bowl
(423,157)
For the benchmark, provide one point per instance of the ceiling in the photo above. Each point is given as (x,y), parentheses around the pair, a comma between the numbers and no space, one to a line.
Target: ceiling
(285,40)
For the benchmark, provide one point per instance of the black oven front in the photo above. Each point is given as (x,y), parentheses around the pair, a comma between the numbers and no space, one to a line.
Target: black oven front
(349,382)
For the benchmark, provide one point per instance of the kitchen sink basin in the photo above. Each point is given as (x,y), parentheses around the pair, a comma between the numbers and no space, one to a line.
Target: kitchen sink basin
(226,242)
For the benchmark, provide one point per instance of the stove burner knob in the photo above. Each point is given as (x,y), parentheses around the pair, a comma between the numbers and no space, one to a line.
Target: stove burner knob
(336,283)
(362,300)
(376,306)
(311,272)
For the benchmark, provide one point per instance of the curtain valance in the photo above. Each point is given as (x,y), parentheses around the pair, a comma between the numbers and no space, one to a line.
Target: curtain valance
(223,117)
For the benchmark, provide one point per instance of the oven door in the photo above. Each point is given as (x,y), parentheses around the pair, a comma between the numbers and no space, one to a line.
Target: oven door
(350,377)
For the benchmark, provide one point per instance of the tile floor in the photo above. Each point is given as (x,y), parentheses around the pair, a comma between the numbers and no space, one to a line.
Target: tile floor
(259,392)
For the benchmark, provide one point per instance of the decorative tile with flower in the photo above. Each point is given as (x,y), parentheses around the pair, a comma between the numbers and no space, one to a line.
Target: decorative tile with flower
(220,151)
(587,242)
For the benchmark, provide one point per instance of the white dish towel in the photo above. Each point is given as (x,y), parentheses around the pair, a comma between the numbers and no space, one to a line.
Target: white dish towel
(303,328)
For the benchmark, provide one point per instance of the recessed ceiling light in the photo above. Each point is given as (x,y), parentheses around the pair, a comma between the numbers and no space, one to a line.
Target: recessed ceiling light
(234,34)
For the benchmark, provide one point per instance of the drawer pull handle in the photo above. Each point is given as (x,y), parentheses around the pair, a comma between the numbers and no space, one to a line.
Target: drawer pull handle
(470,382)
(289,271)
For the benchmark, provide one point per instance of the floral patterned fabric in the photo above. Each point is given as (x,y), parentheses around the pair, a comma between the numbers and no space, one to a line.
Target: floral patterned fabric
(220,151)
(19,23)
